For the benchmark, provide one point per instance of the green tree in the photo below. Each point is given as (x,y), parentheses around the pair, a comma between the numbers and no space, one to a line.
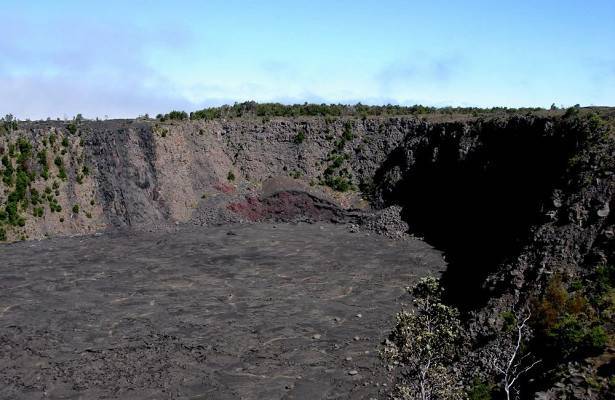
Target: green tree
(423,344)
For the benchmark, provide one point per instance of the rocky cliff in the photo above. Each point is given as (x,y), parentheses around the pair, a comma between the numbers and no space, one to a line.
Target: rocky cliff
(150,174)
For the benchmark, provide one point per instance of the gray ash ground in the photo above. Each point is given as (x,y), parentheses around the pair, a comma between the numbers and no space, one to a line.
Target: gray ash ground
(233,312)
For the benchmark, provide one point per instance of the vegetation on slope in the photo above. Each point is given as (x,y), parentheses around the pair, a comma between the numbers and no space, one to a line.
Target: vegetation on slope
(268,110)
(30,182)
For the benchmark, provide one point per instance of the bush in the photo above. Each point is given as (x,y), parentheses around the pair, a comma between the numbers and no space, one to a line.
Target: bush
(480,390)
(299,138)
(7,175)
(509,321)
(42,158)
(76,209)
(177,115)
(424,344)
(338,183)
(62,174)
(347,135)
(2,234)
(572,111)
(566,324)
(231,176)
(9,123)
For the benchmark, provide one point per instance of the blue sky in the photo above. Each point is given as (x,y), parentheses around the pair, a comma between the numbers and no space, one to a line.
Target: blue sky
(125,58)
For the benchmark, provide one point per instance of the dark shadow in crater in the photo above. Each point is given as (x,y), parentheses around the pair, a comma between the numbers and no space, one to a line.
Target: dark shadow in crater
(477,208)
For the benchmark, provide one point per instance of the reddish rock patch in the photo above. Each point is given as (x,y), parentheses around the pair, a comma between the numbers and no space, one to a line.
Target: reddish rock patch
(287,206)
(224,188)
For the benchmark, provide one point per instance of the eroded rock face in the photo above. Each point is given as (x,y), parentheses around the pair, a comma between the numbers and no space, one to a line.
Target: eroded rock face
(144,174)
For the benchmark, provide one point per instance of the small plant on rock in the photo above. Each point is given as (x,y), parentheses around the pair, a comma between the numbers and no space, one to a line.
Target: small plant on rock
(299,138)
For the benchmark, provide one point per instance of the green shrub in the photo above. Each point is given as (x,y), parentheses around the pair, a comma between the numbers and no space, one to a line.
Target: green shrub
(423,345)
(7,174)
(295,174)
(21,185)
(338,183)
(509,320)
(65,142)
(9,123)
(231,176)
(25,151)
(347,135)
(567,325)
(76,209)
(2,234)
(177,115)
(480,390)
(62,174)
(42,158)
(299,138)
(572,112)
(34,196)
(604,278)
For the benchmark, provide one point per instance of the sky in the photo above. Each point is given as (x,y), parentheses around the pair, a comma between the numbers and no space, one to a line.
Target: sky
(126,58)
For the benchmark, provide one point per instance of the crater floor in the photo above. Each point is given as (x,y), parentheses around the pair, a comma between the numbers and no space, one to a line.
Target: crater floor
(234,312)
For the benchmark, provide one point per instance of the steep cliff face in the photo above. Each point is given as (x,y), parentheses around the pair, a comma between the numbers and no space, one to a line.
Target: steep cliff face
(472,184)
(145,174)
(478,190)
(522,209)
